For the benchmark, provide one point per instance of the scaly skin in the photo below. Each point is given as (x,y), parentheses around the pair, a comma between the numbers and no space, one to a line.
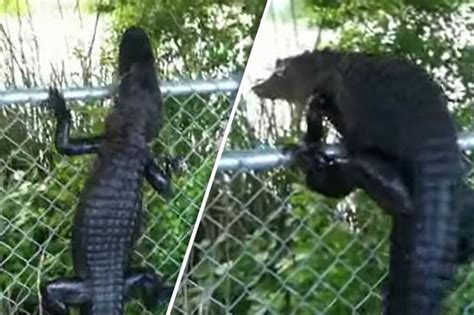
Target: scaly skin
(109,215)
(401,147)
(465,250)
(336,175)
(106,225)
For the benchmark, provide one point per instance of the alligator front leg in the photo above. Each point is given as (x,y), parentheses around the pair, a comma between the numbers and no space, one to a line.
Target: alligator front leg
(337,175)
(325,175)
(64,144)
(161,180)
(330,175)
(58,294)
(158,179)
(148,286)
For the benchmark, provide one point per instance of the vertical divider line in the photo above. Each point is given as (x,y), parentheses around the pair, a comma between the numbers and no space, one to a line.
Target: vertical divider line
(213,173)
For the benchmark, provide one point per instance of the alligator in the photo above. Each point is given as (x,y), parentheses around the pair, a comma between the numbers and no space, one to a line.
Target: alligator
(109,214)
(401,143)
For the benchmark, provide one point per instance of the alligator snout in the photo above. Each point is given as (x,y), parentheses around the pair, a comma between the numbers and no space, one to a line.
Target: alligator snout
(262,90)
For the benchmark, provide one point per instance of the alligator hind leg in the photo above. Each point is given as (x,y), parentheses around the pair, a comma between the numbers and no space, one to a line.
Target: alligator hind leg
(58,294)
(383,183)
(336,176)
(145,284)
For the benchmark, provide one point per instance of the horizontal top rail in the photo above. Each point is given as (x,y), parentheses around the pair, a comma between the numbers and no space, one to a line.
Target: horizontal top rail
(87,93)
(267,158)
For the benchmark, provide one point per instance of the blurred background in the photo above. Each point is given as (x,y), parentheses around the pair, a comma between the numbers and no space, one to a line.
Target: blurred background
(267,245)
(200,48)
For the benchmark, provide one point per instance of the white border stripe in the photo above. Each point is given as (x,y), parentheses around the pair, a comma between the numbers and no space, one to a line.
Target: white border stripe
(213,174)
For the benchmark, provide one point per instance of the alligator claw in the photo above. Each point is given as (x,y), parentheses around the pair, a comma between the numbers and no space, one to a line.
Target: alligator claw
(58,104)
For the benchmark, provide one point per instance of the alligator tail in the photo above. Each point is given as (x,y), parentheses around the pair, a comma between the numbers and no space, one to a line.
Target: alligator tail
(437,179)
(466,225)
(107,300)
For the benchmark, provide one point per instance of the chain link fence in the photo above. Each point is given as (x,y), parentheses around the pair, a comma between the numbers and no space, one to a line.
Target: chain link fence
(70,44)
(39,188)
(266,244)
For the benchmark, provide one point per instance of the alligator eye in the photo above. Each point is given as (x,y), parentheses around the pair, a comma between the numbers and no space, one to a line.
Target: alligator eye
(280,72)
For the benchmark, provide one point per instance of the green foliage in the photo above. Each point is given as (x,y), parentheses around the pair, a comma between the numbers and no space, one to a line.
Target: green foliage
(39,196)
(267,245)
(88,6)
(432,33)
(204,38)
(13,7)
(40,189)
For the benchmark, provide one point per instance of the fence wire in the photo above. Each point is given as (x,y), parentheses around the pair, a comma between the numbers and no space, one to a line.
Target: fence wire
(167,88)
(39,188)
(267,158)
(267,245)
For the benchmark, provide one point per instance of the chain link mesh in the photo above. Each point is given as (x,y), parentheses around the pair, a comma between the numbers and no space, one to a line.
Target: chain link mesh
(39,190)
(65,43)
(267,245)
